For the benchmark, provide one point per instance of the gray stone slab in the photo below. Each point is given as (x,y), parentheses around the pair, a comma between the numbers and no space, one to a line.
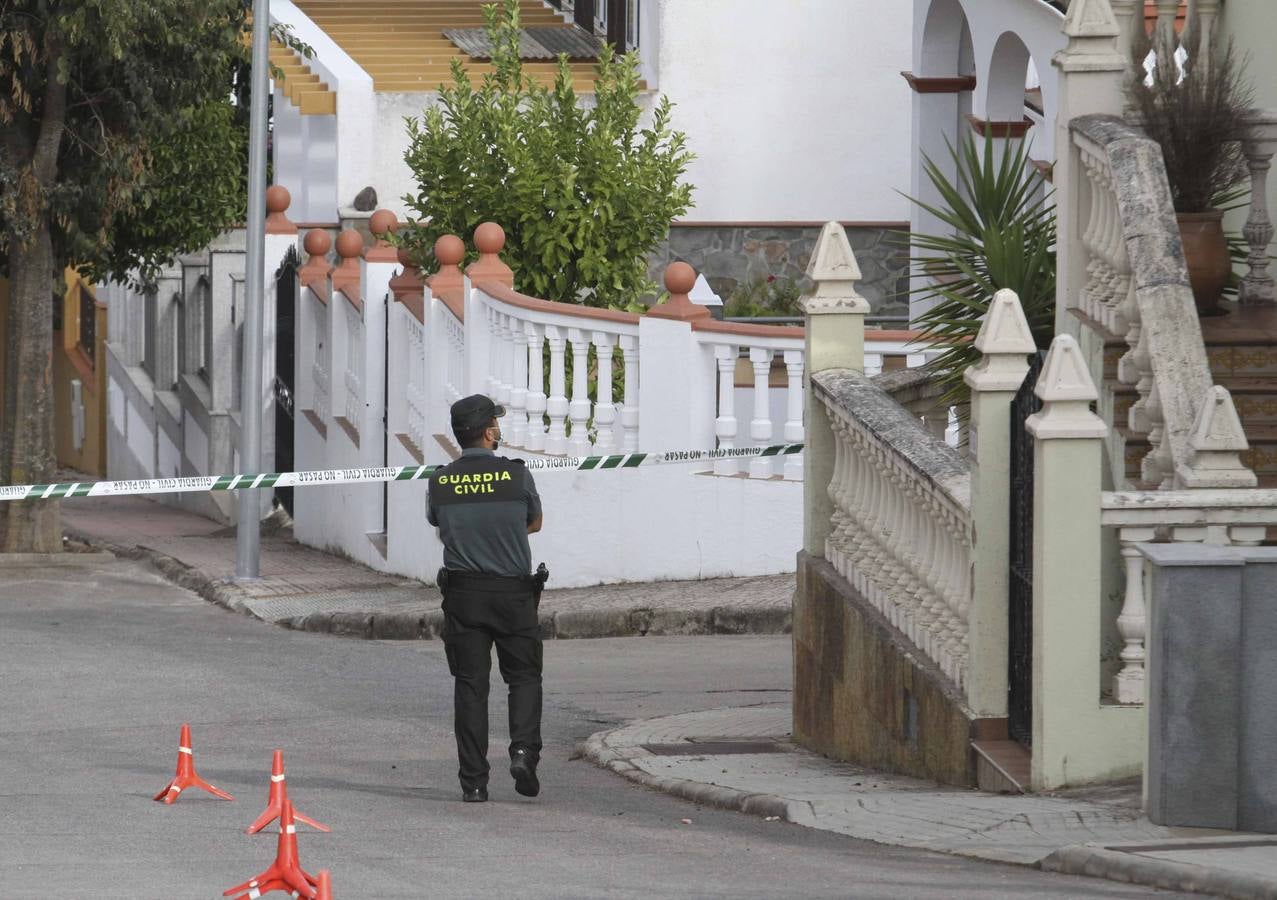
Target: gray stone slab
(1194,693)
(1257,742)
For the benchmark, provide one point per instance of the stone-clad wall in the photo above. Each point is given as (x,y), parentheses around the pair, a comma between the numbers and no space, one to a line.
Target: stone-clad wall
(863,695)
(732,255)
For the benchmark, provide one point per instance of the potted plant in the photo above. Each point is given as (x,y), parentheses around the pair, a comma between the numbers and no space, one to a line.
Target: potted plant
(1197,113)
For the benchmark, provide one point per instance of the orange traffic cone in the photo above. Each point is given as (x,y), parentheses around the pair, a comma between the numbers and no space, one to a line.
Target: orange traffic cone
(275,800)
(186,776)
(324,890)
(285,873)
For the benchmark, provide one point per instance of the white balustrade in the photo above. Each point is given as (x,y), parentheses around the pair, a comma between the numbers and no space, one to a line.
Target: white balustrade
(901,527)
(1223,517)
(523,331)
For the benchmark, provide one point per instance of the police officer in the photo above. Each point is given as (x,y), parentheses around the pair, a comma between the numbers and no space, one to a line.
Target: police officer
(485,506)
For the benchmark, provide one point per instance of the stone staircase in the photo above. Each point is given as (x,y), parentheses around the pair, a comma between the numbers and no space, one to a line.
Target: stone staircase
(1242,351)
(400,43)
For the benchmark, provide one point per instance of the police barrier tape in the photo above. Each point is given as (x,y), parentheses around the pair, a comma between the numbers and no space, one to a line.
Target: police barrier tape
(359,476)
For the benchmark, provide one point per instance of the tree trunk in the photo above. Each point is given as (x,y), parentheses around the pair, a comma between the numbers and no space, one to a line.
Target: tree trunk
(27,454)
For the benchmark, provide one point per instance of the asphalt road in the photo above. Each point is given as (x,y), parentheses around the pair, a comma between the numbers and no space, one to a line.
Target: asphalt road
(100,665)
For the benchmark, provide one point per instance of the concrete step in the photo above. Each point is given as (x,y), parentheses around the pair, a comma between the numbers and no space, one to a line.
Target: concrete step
(1255,397)
(1002,767)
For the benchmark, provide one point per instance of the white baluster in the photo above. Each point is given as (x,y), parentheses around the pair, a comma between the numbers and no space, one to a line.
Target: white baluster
(557,403)
(604,408)
(505,360)
(536,401)
(794,364)
(760,427)
(518,384)
(492,384)
(725,425)
(630,407)
(579,409)
(1128,684)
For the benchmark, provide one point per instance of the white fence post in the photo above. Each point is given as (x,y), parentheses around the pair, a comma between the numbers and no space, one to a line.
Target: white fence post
(673,365)
(835,339)
(1005,341)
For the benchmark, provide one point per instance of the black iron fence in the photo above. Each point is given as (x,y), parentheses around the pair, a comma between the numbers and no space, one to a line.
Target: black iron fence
(1020,589)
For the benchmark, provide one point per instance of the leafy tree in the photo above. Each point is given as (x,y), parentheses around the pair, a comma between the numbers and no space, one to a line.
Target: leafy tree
(583,192)
(120,146)
(1000,234)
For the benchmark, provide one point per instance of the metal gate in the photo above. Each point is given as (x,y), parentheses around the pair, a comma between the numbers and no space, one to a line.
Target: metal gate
(1020,586)
(285,313)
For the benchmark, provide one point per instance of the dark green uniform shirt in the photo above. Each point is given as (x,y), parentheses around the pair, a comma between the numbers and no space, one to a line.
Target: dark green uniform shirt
(482,504)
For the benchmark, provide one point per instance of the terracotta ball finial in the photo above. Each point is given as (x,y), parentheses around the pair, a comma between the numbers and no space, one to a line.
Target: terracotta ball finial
(383,221)
(489,238)
(317,243)
(407,284)
(382,224)
(680,278)
(349,244)
(277,201)
(450,250)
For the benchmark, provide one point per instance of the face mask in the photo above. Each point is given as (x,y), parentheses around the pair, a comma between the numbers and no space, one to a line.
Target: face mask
(496,438)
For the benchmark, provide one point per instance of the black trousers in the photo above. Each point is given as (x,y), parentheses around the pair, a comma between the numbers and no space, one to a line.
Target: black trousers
(474,621)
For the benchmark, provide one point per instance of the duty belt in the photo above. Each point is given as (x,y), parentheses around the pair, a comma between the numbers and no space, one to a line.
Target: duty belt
(450,579)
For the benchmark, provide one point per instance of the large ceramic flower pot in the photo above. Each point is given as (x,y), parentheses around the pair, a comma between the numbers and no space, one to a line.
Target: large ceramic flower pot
(1206,255)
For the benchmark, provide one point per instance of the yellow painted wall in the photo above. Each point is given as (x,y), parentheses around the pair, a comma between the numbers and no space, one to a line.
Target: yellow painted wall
(71,363)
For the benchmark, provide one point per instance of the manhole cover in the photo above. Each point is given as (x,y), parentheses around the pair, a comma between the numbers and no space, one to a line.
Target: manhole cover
(714,748)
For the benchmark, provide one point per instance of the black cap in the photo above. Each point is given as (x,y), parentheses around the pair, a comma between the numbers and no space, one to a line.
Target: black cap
(474,411)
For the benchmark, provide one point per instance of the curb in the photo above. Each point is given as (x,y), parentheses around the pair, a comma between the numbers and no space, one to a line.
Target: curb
(371,625)
(1117,865)
(597,751)
(65,559)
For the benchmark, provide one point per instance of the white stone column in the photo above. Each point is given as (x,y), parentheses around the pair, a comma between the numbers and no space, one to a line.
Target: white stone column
(760,426)
(794,367)
(1005,341)
(1091,72)
(630,402)
(835,338)
(604,408)
(725,425)
(536,387)
(556,441)
(579,408)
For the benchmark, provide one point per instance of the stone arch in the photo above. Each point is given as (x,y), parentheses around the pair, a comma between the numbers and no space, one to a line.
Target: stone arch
(946,41)
(1008,72)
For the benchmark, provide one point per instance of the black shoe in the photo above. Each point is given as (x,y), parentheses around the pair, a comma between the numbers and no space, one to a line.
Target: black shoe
(523,769)
(474,795)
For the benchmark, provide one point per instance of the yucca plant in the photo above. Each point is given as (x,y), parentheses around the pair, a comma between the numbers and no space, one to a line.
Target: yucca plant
(1000,233)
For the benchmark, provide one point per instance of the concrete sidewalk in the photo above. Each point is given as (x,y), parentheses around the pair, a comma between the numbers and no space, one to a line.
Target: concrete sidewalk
(310,590)
(743,759)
